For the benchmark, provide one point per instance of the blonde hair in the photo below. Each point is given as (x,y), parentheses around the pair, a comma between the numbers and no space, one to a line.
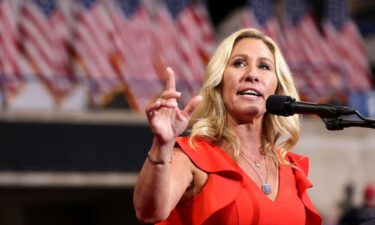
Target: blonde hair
(209,119)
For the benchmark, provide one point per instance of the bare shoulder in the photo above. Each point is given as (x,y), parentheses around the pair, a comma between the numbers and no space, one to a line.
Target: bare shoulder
(198,177)
(182,164)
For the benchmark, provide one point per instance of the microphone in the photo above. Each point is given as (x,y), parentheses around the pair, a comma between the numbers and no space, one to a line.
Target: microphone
(287,106)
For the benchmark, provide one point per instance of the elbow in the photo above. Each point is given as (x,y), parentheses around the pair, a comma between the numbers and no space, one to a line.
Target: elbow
(150,210)
(151,216)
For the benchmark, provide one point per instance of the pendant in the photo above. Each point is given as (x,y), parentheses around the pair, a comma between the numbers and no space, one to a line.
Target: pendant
(257,164)
(266,188)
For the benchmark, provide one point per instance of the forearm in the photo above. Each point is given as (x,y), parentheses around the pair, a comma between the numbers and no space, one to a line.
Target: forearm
(152,191)
(161,183)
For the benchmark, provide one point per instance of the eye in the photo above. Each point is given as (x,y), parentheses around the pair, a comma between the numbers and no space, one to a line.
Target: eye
(239,63)
(264,66)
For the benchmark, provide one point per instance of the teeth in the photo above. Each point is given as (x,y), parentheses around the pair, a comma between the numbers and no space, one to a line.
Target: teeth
(250,92)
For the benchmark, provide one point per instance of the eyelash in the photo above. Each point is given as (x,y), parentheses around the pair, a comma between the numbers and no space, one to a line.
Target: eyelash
(265,65)
(238,62)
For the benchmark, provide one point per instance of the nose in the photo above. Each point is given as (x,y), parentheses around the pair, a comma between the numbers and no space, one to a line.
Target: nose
(252,74)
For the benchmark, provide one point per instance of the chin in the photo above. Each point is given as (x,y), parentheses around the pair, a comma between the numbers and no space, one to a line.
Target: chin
(255,112)
(252,111)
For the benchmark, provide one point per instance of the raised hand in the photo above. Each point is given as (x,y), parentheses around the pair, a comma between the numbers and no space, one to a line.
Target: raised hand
(166,120)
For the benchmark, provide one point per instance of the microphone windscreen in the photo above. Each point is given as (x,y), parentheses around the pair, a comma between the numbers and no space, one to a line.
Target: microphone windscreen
(275,104)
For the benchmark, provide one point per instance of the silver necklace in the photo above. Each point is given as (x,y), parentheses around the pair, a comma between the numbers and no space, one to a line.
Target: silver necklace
(266,188)
(256,162)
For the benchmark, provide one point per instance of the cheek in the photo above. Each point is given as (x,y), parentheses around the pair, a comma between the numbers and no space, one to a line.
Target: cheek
(228,86)
(226,92)
(272,85)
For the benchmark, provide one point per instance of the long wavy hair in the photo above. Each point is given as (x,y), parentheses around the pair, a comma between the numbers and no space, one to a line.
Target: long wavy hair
(209,119)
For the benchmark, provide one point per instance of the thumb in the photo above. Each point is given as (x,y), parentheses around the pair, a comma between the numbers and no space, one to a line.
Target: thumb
(192,105)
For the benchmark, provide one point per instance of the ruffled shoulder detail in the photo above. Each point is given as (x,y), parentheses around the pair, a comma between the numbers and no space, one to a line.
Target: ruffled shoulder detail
(301,170)
(207,156)
(222,188)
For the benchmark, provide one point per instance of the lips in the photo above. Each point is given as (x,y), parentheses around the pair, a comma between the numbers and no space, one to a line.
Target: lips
(249,92)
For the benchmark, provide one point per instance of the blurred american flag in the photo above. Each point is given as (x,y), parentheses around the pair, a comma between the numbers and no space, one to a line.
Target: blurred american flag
(203,37)
(315,59)
(261,14)
(309,64)
(13,66)
(135,51)
(342,35)
(192,40)
(171,51)
(44,37)
(93,48)
(124,46)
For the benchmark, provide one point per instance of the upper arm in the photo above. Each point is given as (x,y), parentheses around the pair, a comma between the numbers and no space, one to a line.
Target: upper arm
(181,176)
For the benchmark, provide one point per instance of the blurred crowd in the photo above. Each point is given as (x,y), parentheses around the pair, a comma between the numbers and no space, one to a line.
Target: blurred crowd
(362,214)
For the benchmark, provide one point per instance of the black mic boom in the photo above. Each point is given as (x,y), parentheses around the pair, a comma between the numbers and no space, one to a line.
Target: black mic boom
(287,106)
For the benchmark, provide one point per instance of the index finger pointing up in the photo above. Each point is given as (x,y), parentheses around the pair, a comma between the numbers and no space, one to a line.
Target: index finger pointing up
(170,82)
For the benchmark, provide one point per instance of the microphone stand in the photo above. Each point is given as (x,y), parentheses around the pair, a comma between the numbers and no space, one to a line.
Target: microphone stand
(336,122)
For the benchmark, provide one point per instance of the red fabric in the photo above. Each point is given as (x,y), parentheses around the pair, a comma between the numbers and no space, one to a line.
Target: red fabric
(369,192)
(230,197)
(286,209)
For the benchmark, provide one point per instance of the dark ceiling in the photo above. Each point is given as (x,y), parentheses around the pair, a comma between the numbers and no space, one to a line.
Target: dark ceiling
(363,12)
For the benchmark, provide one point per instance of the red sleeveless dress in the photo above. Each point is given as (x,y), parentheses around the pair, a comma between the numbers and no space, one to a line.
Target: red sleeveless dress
(230,197)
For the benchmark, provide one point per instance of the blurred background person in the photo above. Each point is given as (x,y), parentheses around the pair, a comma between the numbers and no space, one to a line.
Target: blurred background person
(363,214)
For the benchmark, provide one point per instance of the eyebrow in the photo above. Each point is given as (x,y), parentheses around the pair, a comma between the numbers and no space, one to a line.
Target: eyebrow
(246,56)
(267,59)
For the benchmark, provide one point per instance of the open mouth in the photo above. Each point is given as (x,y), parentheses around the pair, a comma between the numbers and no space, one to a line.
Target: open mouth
(249,92)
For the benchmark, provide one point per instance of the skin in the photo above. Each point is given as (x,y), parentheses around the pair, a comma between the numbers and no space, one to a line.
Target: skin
(160,187)
(251,67)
